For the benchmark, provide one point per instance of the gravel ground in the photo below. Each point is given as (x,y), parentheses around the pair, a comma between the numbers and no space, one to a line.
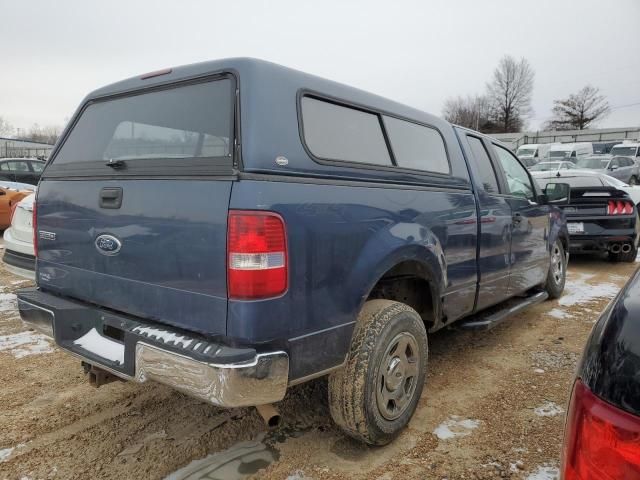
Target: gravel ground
(493,407)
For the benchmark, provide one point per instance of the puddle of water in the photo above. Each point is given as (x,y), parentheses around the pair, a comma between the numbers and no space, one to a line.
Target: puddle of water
(579,291)
(455,426)
(238,462)
(548,409)
(25,343)
(5,453)
(545,472)
(8,302)
(559,314)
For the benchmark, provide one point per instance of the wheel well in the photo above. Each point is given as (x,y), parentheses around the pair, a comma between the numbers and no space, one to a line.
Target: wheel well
(407,283)
(565,243)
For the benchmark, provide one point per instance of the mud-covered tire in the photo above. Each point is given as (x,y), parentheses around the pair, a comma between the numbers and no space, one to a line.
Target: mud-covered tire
(357,390)
(557,275)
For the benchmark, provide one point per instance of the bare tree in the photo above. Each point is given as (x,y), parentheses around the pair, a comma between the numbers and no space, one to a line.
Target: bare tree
(48,134)
(470,111)
(6,129)
(578,111)
(509,93)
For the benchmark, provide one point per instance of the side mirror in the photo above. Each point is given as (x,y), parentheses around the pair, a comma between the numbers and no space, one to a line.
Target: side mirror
(557,193)
(613,167)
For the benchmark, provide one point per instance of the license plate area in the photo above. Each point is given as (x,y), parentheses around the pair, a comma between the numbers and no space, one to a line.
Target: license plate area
(96,337)
(575,227)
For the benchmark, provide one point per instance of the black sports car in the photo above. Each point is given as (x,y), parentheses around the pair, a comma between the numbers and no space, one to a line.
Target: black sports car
(600,216)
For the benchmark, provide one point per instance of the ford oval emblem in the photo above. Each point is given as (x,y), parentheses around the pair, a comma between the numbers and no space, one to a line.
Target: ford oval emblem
(108,244)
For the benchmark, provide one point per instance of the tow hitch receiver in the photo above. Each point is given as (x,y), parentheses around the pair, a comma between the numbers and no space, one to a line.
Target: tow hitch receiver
(97,376)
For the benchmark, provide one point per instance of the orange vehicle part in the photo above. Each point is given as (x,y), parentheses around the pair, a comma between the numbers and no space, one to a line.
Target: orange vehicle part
(8,198)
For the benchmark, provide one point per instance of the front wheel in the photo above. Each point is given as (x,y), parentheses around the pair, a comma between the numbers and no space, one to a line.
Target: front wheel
(373,397)
(633,180)
(557,275)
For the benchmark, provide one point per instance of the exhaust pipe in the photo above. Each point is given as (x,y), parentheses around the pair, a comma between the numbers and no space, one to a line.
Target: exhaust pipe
(269,414)
(626,248)
(615,248)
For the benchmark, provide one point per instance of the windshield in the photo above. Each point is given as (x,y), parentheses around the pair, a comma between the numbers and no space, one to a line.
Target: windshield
(545,166)
(180,122)
(528,152)
(559,153)
(624,151)
(598,163)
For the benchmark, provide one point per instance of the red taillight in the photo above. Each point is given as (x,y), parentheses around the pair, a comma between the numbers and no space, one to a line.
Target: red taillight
(257,262)
(601,441)
(34,224)
(619,207)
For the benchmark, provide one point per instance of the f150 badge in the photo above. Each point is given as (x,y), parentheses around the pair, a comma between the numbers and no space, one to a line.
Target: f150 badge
(108,244)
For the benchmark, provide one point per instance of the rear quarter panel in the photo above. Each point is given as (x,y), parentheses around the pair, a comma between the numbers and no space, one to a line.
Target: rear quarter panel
(342,238)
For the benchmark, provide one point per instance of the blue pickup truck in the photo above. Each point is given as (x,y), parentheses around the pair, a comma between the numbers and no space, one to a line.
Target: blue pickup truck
(232,228)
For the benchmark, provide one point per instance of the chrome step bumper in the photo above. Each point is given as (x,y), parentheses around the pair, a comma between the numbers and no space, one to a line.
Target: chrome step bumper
(210,371)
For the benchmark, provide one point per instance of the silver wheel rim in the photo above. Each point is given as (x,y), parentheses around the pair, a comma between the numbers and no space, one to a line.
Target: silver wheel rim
(397,376)
(632,181)
(557,265)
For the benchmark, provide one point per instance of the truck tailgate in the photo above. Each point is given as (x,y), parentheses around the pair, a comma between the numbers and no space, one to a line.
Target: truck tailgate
(171,264)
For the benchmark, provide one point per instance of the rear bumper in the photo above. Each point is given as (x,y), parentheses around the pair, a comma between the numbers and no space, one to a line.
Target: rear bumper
(589,243)
(142,351)
(19,263)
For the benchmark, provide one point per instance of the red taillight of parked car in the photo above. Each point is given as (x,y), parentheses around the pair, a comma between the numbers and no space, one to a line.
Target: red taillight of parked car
(601,441)
(34,224)
(257,262)
(619,207)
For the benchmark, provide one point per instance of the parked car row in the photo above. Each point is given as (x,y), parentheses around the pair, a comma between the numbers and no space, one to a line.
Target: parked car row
(532,154)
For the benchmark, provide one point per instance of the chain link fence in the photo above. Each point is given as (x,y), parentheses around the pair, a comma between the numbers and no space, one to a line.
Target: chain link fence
(8,150)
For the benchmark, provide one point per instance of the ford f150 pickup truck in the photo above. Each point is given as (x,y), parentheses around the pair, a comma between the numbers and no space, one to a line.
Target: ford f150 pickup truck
(235,227)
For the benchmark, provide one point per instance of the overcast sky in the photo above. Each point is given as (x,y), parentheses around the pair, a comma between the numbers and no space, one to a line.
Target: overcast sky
(416,52)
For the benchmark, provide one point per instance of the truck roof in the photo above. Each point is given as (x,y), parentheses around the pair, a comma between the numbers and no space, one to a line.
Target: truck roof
(265,76)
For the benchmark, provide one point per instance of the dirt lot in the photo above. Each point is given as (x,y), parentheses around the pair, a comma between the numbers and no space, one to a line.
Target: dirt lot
(493,407)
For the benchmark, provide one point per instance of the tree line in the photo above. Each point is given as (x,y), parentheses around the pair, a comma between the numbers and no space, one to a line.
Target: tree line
(36,133)
(505,106)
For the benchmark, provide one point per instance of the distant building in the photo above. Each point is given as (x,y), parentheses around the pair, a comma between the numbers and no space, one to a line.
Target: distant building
(10,147)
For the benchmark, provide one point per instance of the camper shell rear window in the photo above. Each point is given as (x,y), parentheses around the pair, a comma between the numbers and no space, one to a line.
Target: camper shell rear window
(184,128)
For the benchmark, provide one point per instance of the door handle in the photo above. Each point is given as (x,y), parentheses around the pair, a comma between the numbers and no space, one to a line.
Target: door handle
(111,197)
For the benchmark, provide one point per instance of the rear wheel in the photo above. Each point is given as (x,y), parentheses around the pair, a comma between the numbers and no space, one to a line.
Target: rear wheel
(557,271)
(373,397)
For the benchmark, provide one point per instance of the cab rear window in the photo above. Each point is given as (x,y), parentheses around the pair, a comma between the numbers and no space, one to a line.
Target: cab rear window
(171,126)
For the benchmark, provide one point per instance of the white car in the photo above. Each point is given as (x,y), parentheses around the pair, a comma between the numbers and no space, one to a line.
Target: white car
(545,168)
(19,256)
